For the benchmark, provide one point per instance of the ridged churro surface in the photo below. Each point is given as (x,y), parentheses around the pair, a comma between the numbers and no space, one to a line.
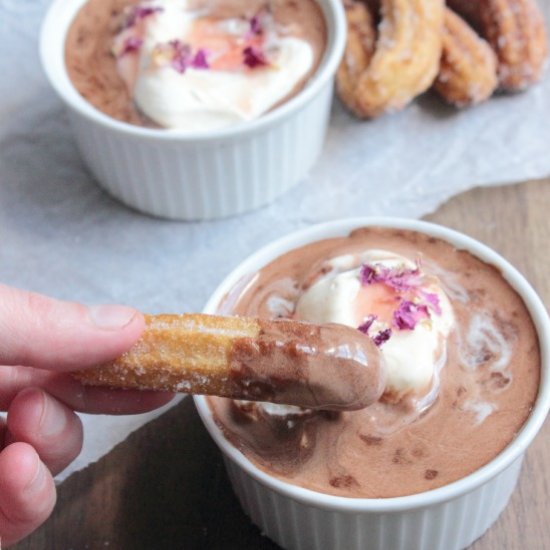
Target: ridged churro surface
(468,71)
(516,31)
(405,59)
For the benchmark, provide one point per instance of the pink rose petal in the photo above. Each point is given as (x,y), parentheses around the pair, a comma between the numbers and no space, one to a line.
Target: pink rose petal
(140,12)
(254,57)
(382,336)
(364,328)
(132,44)
(407,315)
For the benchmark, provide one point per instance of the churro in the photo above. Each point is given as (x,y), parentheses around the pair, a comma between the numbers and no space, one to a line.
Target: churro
(515,29)
(281,361)
(405,60)
(360,45)
(468,69)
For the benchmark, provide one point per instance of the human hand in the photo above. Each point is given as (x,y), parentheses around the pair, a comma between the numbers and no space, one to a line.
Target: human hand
(42,434)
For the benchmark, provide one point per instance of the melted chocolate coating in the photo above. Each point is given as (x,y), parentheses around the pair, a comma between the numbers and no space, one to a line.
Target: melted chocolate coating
(314,366)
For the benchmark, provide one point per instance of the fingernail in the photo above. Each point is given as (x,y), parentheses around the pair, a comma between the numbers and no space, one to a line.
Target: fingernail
(108,317)
(53,419)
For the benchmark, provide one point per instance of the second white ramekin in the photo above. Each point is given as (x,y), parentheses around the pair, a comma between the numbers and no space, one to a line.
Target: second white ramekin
(179,175)
(448,518)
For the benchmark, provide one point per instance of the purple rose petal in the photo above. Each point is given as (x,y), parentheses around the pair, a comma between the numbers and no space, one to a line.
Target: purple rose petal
(367,275)
(183,58)
(200,61)
(364,328)
(398,279)
(433,301)
(382,336)
(139,12)
(254,57)
(131,44)
(407,315)
(255,26)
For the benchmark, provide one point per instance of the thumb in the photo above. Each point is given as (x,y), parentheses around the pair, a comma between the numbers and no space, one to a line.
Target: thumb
(27,492)
(38,331)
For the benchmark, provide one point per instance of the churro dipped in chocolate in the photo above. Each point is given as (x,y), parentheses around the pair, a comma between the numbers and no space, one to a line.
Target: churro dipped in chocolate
(313,366)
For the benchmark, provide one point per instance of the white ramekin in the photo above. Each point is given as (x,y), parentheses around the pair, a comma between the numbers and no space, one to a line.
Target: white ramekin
(192,176)
(448,518)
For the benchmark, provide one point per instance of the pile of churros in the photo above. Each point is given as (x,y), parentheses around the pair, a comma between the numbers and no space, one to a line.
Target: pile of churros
(464,50)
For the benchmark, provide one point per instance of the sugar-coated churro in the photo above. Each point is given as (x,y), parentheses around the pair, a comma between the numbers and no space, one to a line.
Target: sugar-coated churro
(515,29)
(403,62)
(468,70)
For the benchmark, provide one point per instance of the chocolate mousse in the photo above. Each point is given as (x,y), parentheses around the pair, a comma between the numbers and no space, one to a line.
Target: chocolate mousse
(462,357)
(193,64)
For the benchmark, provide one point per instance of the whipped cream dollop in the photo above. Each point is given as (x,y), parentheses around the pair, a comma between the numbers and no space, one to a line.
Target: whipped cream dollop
(187,69)
(390,298)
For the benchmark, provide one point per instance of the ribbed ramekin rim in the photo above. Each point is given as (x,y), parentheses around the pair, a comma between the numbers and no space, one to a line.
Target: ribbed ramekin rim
(336,24)
(429,498)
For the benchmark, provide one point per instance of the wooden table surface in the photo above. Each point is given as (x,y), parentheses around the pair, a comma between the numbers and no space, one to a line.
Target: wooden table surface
(165,487)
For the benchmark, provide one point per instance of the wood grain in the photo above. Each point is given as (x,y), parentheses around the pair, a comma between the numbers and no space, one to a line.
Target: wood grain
(165,487)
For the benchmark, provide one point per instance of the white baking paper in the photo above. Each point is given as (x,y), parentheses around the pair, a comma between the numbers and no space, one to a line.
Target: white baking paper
(61,235)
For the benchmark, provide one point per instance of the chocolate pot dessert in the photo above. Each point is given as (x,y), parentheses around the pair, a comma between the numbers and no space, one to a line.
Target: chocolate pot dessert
(193,64)
(462,365)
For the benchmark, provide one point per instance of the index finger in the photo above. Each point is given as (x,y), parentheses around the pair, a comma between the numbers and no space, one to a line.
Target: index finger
(42,332)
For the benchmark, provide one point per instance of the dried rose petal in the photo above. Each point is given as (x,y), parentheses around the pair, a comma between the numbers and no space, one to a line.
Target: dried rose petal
(130,45)
(407,315)
(364,328)
(396,278)
(257,24)
(382,336)
(433,301)
(200,61)
(256,27)
(140,12)
(254,57)
(367,275)
(180,56)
